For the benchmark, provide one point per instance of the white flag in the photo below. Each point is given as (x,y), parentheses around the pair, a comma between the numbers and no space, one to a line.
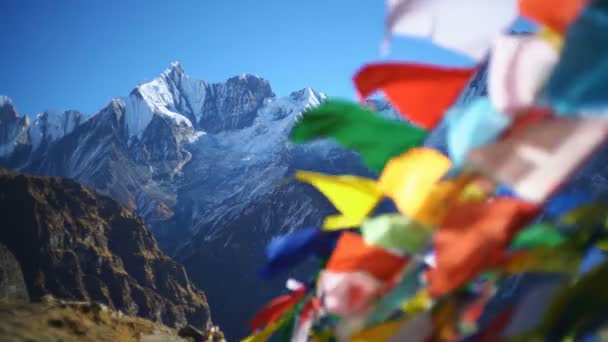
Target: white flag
(465,26)
(537,159)
(519,67)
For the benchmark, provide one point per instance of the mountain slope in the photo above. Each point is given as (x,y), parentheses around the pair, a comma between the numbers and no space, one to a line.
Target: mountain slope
(75,244)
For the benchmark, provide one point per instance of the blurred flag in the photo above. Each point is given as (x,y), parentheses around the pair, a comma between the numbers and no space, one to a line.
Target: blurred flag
(536,160)
(465,26)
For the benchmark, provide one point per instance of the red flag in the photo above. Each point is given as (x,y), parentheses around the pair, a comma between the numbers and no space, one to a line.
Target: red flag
(555,14)
(276,308)
(353,254)
(421,93)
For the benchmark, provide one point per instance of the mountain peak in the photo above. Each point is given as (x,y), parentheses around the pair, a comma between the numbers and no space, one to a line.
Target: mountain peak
(309,95)
(5,100)
(174,69)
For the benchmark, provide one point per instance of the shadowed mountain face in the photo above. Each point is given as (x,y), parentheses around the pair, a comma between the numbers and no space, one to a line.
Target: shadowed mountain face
(75,244)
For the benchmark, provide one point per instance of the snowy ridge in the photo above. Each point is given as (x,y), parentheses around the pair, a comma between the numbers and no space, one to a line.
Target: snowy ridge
(158,97)
(54,124)
(5,100)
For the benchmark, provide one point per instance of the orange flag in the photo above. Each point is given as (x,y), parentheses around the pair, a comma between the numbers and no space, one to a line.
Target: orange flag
(276,308)
(473,237)
(421,93)
(555,14)
(353,254)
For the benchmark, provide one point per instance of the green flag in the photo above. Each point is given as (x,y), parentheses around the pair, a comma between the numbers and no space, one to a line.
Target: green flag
(377,139)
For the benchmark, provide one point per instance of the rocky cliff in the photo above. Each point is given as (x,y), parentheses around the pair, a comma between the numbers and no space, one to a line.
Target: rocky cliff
(76,244)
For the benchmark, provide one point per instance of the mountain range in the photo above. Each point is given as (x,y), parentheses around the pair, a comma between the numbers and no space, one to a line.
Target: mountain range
(207,165)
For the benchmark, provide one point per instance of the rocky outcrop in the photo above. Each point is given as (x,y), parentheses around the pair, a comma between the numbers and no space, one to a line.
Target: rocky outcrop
(76,244)
(12,285)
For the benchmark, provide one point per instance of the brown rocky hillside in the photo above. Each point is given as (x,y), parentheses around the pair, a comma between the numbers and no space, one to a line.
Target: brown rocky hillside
(78,245)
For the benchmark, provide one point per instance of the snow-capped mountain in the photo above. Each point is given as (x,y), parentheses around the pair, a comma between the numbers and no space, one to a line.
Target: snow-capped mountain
(206,164)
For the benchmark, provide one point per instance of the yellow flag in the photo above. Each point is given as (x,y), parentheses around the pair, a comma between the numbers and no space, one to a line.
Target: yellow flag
(410,178)
(354,197)
(440,199)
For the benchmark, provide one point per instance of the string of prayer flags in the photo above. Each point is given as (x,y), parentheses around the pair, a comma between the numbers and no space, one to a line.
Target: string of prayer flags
(466,223)
(420,93)
(449,25)
(358,128)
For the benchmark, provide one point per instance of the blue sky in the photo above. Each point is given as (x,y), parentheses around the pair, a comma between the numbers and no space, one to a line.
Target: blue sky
(78,54)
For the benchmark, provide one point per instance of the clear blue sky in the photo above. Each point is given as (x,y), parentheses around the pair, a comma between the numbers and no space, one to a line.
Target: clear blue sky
(78,54)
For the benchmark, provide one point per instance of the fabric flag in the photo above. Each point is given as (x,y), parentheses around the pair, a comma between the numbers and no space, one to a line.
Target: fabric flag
(441,197)
(449,24)
(393,231)
(347,294)
(519,67)
(377,139)
(276,308)
(420,93)
(556,14)
(579,83)
(286,251)
(353,254)
(473,237)
(471,126)
(525,119)
(534,162)
(354,197)
(411,177)
(538,235)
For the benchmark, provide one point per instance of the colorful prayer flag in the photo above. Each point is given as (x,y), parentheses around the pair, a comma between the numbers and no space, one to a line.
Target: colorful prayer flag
(518,69)
(535,161)
(421,93)
(450,24)
(353,254)
(354,197)
(377,139)
(411,177)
